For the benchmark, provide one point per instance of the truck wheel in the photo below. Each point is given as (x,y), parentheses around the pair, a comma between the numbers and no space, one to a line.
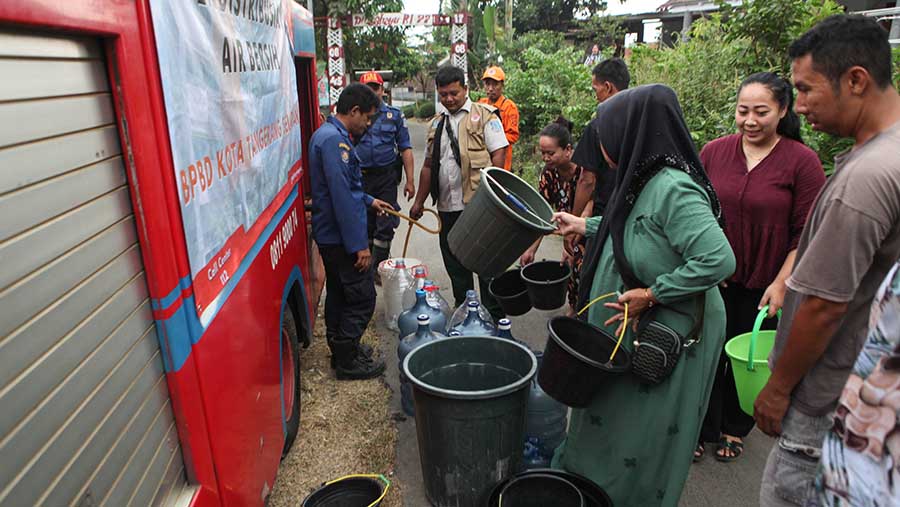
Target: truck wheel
(290,368)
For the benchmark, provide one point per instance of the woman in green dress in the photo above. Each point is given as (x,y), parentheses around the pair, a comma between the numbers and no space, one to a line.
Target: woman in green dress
(659,243)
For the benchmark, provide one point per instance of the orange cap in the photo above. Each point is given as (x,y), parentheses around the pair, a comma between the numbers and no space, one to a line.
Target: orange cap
(495,73)
(371,77)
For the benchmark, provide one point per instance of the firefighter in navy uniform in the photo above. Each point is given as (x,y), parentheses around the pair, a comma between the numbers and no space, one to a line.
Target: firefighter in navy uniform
(385,154)
(339,229)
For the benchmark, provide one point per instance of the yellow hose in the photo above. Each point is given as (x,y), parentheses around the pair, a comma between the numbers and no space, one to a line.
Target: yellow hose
(624,321)
(417,224)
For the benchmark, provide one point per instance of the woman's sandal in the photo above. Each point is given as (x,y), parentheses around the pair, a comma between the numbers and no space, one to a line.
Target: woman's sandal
(699,451)
(734,447)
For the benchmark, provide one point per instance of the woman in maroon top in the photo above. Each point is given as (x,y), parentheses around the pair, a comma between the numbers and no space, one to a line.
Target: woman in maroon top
(767,181)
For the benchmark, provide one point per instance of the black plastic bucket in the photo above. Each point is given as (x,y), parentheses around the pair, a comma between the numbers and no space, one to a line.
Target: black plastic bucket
(494,230)
(547,282)
(347,492)
(540,490)
(575,367)
(510,291)
(471,396)
(594,495)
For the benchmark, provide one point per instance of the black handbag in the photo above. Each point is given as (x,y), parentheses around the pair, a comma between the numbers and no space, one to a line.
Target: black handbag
(657,347)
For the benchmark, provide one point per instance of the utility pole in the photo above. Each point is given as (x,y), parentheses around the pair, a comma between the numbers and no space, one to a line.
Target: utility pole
(509,27)
(895,28)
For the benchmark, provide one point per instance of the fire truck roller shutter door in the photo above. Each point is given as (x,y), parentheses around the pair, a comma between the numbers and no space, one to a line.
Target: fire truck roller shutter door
(86,415)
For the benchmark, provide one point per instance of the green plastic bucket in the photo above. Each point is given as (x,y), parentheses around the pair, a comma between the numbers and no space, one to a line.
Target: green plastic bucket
(750,376)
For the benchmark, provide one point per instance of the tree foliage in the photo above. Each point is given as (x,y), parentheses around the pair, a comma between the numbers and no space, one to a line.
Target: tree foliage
(370,48)
(558,14)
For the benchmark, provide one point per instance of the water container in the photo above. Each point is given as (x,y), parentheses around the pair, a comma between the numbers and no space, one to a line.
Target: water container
(470,394)
(423,334)
(505,216)
(420,274)
(407,322)
(434,298)
(532,458)
(395,279)
(460,314)
(504,330)
(474,325)
(545,425)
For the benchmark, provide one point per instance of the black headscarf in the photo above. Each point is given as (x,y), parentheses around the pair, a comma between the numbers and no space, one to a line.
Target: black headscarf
(643,130)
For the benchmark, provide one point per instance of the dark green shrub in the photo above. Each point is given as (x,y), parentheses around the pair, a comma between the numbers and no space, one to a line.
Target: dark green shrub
(425,110)
(409,111)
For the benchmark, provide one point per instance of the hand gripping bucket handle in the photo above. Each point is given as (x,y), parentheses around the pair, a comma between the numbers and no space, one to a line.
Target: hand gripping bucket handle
(757,324)
(624,321)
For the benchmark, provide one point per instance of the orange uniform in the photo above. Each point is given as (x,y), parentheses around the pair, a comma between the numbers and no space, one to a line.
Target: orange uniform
(509,116)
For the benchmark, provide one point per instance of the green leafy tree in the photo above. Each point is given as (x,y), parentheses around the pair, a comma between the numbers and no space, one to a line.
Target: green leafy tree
(540,14)
(545,85)
(370,48)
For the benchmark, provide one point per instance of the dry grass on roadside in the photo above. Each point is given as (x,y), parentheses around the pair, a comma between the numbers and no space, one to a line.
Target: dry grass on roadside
(345,428)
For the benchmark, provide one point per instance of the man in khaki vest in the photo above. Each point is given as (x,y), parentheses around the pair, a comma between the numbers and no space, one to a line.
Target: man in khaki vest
(469,137)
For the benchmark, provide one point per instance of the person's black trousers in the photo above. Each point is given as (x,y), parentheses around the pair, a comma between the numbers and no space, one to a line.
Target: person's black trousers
(349,299)
(381,183)
(724,414)
(460,277)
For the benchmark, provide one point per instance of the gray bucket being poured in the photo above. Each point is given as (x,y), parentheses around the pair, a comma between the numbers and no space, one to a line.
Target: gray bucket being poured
(506,215)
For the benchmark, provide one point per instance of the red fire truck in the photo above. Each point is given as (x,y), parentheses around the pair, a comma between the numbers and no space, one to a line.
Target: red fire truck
(155,280)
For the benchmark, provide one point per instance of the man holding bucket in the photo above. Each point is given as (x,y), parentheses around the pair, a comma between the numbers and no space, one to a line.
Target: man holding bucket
(841,69)
(464,138)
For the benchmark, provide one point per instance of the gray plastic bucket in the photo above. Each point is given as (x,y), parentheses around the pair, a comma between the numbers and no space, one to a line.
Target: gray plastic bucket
(471,396)
(492,232)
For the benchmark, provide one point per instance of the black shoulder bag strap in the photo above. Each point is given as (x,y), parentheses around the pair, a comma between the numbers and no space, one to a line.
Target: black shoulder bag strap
(434,189)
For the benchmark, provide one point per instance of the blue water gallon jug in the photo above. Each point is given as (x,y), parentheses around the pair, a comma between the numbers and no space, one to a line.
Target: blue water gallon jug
(407,344)
(545,424)
(462,312)
(407,322)
(474,325)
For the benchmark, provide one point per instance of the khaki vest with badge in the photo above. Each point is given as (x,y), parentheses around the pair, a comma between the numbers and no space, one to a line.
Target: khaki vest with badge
(473,153)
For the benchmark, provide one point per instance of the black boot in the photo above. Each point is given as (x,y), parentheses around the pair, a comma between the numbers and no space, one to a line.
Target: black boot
(364,349)
(352,364)
(379,254)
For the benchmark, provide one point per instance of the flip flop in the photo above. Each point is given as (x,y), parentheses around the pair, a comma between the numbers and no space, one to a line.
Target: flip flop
(699,452)
(736,448)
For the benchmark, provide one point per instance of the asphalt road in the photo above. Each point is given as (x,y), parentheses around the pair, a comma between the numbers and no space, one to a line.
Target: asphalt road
(710,483)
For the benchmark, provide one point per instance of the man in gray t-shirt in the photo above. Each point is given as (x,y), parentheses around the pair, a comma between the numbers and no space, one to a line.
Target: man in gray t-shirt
(842,71)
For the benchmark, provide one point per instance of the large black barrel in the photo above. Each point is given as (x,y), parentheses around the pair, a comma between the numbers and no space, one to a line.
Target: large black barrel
(471,397)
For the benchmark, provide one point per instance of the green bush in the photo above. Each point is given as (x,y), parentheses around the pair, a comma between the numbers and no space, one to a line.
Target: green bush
(425,110)
(545,85)
(409,111)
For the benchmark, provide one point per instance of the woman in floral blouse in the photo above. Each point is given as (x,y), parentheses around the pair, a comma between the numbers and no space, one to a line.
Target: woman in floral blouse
(557,185)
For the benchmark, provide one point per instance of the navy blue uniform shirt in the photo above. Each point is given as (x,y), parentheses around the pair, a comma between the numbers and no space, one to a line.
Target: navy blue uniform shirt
(339,203)
(387,137)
